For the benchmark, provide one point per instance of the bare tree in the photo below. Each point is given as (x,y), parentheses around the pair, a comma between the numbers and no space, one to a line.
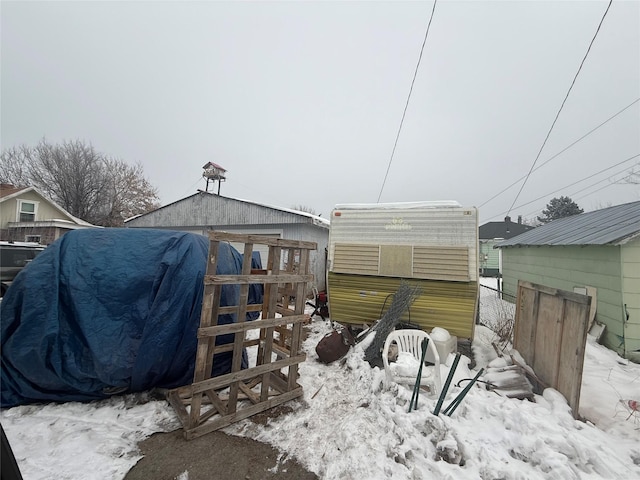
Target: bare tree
(128,194)
(13,162)
(632,177)
(84,182)
(304,208)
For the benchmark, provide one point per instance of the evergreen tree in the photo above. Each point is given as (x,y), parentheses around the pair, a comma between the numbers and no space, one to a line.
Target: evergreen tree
(559,208)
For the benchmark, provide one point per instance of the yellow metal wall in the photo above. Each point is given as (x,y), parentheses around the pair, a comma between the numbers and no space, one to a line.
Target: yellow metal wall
(359,299)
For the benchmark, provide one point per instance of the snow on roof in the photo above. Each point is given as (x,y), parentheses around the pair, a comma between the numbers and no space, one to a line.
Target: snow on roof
(378,206)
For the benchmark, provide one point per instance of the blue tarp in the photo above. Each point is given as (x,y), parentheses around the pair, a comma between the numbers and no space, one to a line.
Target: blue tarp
(106,310)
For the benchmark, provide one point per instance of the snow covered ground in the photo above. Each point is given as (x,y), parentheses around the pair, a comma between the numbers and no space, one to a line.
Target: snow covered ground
(350,426)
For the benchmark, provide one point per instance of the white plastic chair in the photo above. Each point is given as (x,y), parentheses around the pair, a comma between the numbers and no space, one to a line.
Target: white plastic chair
(410,341)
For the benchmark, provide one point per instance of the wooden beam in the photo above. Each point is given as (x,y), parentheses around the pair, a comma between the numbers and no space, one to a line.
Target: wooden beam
(255,279)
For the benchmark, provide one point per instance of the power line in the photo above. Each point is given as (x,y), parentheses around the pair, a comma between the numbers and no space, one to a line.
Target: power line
(563,150)
(575,183)
(404,113)
(601,188)
(561,106)
(593,185)
(195,183)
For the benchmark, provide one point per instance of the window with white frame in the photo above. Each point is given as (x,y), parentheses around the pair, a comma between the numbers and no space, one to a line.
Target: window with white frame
(32,238)
(27,211)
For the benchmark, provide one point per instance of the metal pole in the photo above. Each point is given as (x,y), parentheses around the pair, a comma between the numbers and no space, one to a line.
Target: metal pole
(443,393)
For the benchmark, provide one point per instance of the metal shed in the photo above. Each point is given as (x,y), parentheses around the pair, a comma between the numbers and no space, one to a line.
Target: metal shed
(203,211)
(599,249)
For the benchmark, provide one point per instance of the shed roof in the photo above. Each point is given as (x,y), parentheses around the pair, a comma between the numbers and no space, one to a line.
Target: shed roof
(608,226)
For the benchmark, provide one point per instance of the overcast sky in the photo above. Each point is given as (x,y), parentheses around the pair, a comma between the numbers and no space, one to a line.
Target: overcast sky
(301,102)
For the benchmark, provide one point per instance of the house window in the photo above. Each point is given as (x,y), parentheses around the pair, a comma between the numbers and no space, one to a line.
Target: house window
(26,211)
(32,238)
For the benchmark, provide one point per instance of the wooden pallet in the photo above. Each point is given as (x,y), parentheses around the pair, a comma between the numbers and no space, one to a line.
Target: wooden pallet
(211,403)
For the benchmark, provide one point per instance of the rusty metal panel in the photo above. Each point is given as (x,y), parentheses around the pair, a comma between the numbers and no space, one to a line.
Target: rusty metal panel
(550,334)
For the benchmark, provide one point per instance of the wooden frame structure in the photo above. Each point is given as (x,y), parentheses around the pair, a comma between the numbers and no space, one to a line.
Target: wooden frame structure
(211,403)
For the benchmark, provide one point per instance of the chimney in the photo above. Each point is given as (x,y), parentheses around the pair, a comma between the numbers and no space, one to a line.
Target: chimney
(507,219)
(519,219)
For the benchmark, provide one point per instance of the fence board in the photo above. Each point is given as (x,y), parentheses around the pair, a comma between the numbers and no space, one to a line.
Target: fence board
(550,334)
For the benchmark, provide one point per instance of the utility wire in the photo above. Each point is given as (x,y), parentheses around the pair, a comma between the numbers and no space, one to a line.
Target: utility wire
(194,184)
(404,113)
(561,106)
(575,183)
(563,150)
(602,188)
(593,185)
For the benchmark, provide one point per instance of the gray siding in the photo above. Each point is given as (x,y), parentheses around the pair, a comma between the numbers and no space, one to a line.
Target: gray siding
(203,209)
(202,212)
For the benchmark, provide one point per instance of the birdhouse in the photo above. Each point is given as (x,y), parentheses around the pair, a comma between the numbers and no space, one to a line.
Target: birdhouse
(214,172)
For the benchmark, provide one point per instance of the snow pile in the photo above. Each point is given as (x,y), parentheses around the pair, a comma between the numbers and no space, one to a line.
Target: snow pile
(351,425)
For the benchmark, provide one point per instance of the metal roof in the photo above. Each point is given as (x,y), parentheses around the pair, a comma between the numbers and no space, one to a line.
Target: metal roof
(608,226)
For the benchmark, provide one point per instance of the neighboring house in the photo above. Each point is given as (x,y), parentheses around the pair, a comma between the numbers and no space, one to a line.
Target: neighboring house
(599,249)
(26,215)
(492,233)
(205,211)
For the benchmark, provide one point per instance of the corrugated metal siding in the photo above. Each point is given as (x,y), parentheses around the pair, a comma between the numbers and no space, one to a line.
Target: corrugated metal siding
(601,227)
(203,212)
(208,209)
(429,227)
(359,299)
